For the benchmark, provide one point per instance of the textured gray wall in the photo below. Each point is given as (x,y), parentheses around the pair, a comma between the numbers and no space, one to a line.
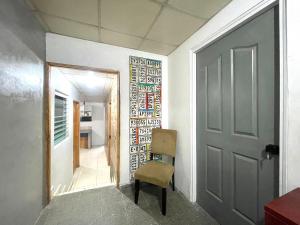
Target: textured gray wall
(22,55)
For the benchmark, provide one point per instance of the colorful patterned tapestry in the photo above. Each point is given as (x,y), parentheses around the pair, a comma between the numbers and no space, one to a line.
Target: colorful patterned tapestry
(144,108)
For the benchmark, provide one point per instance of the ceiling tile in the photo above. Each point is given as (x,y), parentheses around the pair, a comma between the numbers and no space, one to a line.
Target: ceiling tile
(157,47)
(70,28)
(174,27)
(85,11)
(200,8)
(119,39)
(128,16)
(88,83)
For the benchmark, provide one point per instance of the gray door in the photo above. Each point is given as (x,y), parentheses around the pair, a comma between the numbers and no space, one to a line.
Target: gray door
(236,83)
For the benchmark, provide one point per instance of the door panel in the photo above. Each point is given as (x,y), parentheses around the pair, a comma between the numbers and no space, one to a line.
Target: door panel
(245,191)
(214,101)
(235,121)
(244,90)
(214,175)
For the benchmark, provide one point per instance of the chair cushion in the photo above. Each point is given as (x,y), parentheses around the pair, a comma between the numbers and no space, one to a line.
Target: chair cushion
(155,172)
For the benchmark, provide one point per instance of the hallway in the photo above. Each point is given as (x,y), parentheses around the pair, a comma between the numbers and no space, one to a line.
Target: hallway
(93,171)
(84,84)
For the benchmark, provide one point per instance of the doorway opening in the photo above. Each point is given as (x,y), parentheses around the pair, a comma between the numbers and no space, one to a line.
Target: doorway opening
(82,122)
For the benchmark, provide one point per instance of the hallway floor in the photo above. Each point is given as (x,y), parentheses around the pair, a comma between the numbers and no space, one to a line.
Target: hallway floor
(109,206)
(93,171)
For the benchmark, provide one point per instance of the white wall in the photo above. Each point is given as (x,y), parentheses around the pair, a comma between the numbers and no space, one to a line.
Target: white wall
(62,153)
(293,96)
(97,123)
(74,51)
(180,86)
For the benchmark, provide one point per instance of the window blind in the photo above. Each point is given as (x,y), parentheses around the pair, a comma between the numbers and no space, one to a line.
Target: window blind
(60,119)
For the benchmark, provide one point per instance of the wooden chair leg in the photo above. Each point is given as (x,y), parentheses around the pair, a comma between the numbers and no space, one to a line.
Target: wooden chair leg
(173,182)
(164,201)
(137,190)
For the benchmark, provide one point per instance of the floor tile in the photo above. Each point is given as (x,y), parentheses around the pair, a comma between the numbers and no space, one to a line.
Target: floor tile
(93,171)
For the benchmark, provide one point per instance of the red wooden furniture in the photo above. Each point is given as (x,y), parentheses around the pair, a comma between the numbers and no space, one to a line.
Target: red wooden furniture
(284,210)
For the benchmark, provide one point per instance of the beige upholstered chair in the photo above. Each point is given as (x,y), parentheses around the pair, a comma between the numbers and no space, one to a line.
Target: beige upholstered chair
(157,172)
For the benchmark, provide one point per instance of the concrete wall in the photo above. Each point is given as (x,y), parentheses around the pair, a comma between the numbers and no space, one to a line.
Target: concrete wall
(180,104)
(74,51)
(62,153)
(22,55)
(293,96)
(97,123)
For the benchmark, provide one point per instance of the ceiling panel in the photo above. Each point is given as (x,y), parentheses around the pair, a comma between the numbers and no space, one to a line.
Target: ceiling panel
(94,99)
(70,28)
(119,39)
(174,27)
(157,47)
(200,8)
(156,26)
(128,16)
(85,11)
(88,83)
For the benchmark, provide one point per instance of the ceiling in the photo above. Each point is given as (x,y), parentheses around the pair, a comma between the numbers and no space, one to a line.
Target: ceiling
(157,26)
(92,86)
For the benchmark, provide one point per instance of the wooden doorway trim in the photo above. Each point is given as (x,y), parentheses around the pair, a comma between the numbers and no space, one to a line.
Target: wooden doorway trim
(118,132)
(108,131)
(76,134)
(47,118)
(99,70)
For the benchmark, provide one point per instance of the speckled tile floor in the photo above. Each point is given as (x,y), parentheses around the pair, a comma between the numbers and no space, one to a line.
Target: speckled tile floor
(179,210)
(109,206)
(104,206)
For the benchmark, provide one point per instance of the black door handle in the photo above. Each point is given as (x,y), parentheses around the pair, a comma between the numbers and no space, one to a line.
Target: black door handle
(272,150)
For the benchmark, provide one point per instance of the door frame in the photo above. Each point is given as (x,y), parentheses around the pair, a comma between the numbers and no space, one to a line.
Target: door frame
(76,138)
(108,130)
(47,117)
(256,10)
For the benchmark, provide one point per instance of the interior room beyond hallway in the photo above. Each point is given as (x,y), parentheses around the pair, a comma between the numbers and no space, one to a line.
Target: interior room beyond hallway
(79,151)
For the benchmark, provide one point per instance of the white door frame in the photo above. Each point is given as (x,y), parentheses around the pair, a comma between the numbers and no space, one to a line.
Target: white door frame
(245,17)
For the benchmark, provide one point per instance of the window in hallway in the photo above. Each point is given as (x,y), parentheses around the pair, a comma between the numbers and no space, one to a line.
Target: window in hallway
(60,119)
